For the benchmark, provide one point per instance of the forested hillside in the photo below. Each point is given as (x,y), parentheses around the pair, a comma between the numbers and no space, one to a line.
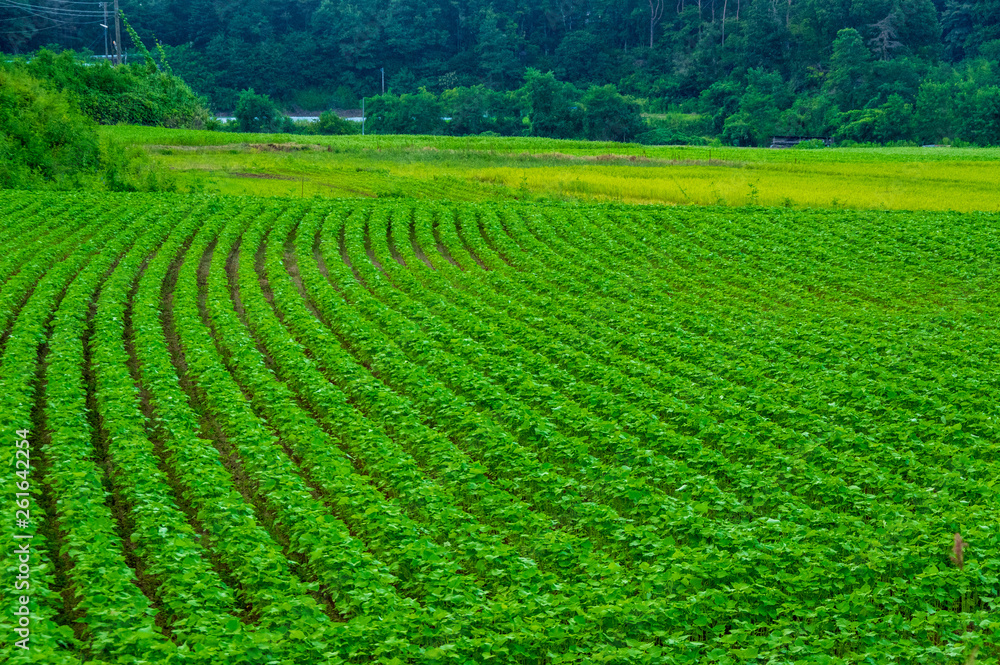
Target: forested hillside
(869,70)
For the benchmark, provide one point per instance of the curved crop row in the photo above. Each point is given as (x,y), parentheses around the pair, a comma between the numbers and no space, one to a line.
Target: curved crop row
(288,431)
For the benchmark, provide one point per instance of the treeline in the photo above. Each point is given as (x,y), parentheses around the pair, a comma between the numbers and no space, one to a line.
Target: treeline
(862,99)
(960,107)
(543,106)
(751,66)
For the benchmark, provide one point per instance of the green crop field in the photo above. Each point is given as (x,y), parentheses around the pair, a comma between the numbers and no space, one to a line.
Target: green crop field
(302,431)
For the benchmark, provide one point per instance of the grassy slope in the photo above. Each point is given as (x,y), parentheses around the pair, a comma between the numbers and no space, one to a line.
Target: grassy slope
(477,168)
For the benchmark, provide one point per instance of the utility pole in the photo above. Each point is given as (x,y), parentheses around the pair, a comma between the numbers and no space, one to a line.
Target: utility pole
(118,35)
(105,26)
(382,69)
(362,116)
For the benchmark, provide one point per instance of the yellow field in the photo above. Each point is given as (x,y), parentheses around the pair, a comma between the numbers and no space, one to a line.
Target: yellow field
(479,168)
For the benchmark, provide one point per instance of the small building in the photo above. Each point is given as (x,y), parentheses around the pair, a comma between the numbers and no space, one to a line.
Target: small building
(792,141)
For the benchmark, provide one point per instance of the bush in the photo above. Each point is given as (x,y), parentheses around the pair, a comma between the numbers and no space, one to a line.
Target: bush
(136,94)
(43,136)
(738,130)
(130,169)
(407,114)
(609,116)
(331,124)
(664,136)
(552,106)
(811,144)
(46,142)
(257,113)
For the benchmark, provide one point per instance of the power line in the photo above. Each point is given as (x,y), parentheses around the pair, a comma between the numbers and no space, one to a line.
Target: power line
(34,30)
(52,10)
(55,21)
(37,10)
(59,15)
(57,2)
(53,17)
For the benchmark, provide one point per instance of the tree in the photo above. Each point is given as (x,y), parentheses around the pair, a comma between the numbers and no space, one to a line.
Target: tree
(257,113)
(496,49)
(981,116)
(892,121)
(766,36)
(935,115)
(655,14)
(347,33)
(332,124)
(885,40)
(419,113)
(414,35)
(760,109)
(552,106)
(809,116)
(608,116)
(720,100)
(850,54)
(850,69)
(920,28)
(581,57)
(478,109)
(986,19)
(958,23)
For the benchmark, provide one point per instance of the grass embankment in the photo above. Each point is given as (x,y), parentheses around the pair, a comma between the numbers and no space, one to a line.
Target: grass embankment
(479,168)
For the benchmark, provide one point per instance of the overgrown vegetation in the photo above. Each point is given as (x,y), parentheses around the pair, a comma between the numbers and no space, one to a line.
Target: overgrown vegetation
(46,142)
(43,137)
(260,114)
(137,93)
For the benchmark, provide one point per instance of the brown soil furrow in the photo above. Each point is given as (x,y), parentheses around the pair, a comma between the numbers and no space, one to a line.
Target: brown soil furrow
(345,257)
(468,247)
(492,245)
(392,245)
(157,437)
(417,249)
(244,484)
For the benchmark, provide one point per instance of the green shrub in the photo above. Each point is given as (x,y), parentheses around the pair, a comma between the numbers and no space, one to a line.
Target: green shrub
(610,116)
(133,94)
(130,169)
(665,136)
(330,123)
(46,142)
(407,114)
(257,113)
(43,136)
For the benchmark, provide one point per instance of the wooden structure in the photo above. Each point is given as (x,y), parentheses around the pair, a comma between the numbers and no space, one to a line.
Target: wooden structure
(792,141)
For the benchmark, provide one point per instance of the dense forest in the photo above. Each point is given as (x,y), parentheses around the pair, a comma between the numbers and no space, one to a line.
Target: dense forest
(864,70)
